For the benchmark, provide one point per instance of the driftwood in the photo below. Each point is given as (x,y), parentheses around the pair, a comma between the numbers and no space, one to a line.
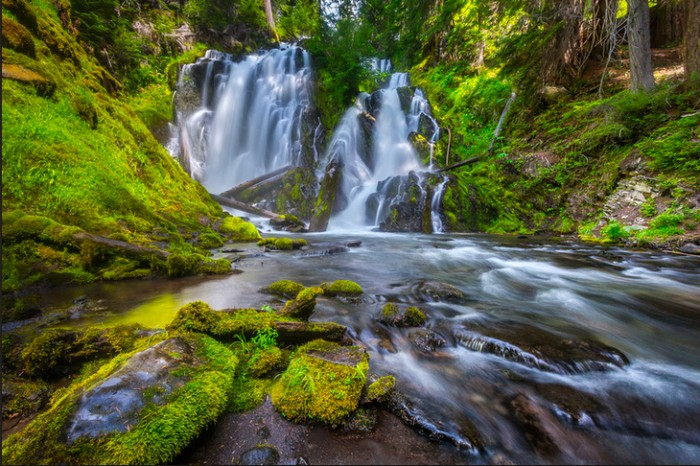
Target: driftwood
(250,183)
(461,164)
(228,202)
(128,248)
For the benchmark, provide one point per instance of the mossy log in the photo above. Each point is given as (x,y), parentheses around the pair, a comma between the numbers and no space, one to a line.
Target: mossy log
(228,202)
(296,333)
(122,246)
(460,164)
(277,174)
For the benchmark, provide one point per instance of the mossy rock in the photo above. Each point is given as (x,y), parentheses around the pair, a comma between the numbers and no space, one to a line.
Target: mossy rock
(380,389)
(285,288)
(17,37)
(344,288)
(263,361)
(237,229)
(303,305)
(323,383)
(223,325)
(282,244)
(209,240)
(57,352)
(140,408)
(180,265)
(402,316)
(22,397)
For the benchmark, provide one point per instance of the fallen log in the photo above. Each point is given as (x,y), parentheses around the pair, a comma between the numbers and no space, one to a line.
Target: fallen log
(228,202)
(461,164)
(295,333)
(127,248)
(250,183)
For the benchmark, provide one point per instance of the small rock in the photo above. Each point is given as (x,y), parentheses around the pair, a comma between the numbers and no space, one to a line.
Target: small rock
(690,248)
(425,340)
(260,455)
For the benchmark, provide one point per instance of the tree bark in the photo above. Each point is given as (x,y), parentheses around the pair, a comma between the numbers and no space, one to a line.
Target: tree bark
(250,183)
(271,18)
(641,73)
(242,206)
(691,38)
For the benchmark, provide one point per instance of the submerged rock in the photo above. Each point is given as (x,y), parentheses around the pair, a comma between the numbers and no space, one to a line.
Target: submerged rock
(401,316)
(439,292)
(538,348)
(425,340)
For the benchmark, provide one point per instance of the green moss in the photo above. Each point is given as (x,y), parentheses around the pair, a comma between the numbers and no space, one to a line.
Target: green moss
(225,325)
(210,240)
(263,361)
(409,316)
(21,397)
(49,354)
(282,244)
(237,229)
(303,305)
(315,389)
(414,317)
(285,288)
(247,393)
(162,431)
(341,288)
(389,313)
(380,389)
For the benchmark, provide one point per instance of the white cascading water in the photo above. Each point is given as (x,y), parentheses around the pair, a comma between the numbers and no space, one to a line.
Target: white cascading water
(253,125)
(393,153)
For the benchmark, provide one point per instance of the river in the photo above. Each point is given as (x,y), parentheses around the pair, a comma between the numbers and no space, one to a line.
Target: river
(550,351)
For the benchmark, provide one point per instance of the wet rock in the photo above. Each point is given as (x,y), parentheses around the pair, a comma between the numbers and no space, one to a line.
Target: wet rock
(303,305)
(325,202)
(425,340)
(624,204)
(690,248)
(535,347)
(260,455)
(439,292)
(533,420)
(362,421)
(466,438)
(236,437)
(354,244)
(114,405)
(397,315)
(288,222)
(133,399)
(572,405)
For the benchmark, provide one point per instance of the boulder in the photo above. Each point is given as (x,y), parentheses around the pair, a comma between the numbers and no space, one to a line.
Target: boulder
(142,407)
(323,383)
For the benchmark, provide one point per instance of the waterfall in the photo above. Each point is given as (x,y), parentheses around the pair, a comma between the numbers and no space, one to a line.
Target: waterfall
(371,183)
(249,119)
(435,204)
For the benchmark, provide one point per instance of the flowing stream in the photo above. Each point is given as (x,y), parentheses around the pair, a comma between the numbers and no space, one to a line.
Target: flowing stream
(533,352)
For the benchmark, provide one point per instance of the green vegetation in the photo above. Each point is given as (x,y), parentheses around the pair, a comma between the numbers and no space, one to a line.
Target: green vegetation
(284,288)
(162,429)
(410,316)
(282,244)
(313,388)
(380,389)
(344,288)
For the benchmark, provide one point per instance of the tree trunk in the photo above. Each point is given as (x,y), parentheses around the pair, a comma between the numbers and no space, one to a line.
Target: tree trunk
(691,38)
(270,18)
(641,73)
